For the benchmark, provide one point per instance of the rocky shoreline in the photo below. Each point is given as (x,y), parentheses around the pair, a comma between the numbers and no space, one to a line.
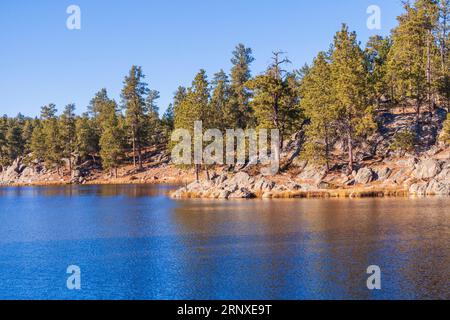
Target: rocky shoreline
(403,177)
(400,177)
(20,174)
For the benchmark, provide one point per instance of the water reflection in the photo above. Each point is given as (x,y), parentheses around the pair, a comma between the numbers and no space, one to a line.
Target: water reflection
(135,242)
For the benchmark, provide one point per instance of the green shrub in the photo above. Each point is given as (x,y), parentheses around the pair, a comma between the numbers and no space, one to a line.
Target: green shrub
(403,141)
(445,133)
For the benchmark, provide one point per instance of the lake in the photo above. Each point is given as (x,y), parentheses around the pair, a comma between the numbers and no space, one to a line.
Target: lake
(134,242)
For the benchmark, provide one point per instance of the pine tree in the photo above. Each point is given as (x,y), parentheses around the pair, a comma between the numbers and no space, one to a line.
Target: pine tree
(53,150)
(15,144)
(154,127)
(4,161)
(403,141)
(376,52)
(349,79)
(174,112)
(443,30)
(168,118)
(240,114)
(27,132)
(67,132)
(38,145)
(98,103)
(133,99)
(443,36)
(179,96)
(319,106)
(445,133)
(194,107)
(87,142)
(220,100)
(302,72)
(97,109)
(410,60)
(275,102)
(111,139)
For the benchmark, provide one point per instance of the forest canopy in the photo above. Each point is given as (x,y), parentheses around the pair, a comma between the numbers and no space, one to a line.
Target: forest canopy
(338,95)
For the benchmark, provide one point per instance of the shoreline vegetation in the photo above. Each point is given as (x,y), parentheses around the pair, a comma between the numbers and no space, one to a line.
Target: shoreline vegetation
(359,121)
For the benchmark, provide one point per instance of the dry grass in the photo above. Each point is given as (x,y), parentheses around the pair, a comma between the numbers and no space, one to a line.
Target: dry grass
(316,194)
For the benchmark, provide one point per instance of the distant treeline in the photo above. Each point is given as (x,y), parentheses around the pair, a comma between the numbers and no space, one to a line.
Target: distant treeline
(337,96)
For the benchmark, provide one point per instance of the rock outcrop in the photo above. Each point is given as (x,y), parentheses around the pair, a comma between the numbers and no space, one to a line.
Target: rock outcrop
(427,169)
(433,176)
(238,186)
(417,176)
(21,173)
(364,176)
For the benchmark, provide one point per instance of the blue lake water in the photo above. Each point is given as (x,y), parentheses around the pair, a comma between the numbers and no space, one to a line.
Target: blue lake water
(134,242)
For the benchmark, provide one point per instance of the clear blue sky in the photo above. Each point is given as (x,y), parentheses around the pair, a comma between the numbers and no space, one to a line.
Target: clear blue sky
(41,61)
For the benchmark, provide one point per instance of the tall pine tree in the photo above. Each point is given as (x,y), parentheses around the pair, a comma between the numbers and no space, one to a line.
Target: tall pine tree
(349,88)
(53,150)
(275,102)
(68,133)
(239,114)
(111,140)
(319,106)
(133,99)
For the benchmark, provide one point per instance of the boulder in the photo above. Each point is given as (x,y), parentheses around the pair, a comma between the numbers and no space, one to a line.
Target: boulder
(418,189)
(313,173)
(364,176)
(231,187)
(195,186)
(293,186)
(400,176)
(242,179)
(10,175)
(280,188)
(438,188)
(223,194)
(307,187)
(323,185)
(382,173)
(350,182)
(262,184)
(220,179)
(444,175)
(408,162)
(427,169)
(76,173)
(431,188)
(242,193)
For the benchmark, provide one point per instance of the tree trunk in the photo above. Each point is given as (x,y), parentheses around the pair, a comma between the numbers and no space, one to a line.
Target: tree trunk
(115,172)
(327,152)
(428,73)
(418,103)
(350,151)
(134,148)
(443,41)
(140,157)
(207,173)
(196,172)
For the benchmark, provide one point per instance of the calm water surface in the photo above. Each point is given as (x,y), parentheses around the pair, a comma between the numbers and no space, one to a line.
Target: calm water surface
(133,242)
